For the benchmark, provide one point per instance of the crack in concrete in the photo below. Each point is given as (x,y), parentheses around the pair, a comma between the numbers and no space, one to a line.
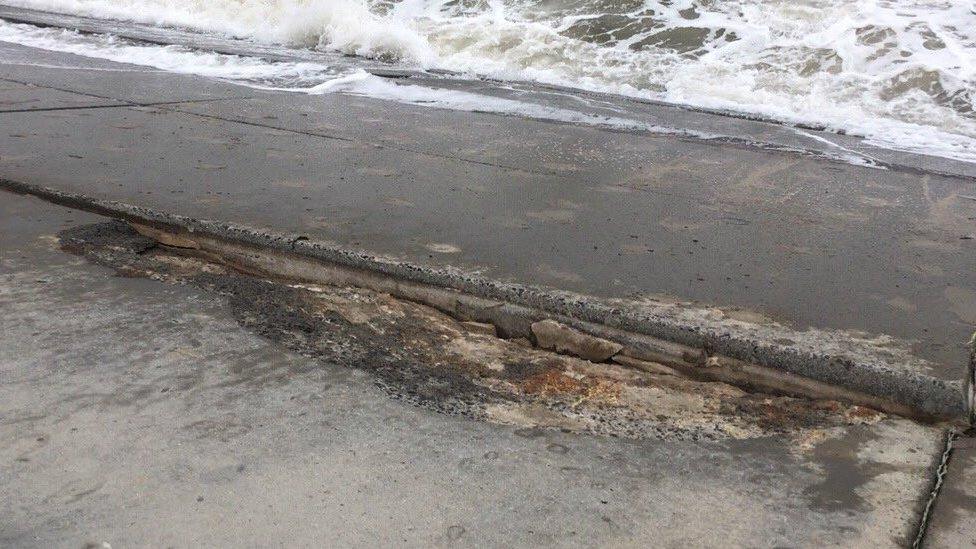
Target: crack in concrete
(831,360)
(377,144)
(82,107)
(939,472)
(123,102)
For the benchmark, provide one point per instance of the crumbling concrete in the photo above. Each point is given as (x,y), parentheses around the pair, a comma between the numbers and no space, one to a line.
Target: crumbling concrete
(424,356)
(874,372)
(554,336)
(142,412)
(845,273)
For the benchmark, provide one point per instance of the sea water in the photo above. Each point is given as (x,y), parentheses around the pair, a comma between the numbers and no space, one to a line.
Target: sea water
(901,73)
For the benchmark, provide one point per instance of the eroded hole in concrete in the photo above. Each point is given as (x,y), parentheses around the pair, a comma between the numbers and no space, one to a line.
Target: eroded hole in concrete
(422,356)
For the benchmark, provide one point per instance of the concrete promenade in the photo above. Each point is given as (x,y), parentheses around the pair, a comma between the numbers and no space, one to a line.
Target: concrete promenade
(766,226)
(805,241)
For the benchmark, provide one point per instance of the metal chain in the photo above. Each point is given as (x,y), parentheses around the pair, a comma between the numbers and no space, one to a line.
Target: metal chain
(940,474)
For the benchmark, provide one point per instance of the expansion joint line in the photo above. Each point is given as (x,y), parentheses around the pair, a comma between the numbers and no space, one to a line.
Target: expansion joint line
(940,473)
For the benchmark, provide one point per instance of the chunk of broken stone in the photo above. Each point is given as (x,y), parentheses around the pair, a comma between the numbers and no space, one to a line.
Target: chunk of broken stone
(644,365)
(554,336)
(165,238)
(480,328)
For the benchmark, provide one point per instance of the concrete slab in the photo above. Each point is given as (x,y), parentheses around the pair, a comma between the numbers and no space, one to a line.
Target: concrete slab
(138,413)
(800,239)
(953,522)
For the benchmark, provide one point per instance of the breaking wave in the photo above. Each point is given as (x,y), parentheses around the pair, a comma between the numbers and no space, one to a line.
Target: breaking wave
(900,72)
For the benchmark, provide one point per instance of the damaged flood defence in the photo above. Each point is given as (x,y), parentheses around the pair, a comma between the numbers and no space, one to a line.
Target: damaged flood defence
(734,346)
(421,355)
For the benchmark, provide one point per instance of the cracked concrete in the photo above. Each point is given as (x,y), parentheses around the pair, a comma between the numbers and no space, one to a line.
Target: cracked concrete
(878,253)
(953,521)
(138,412)
(822,265)
(423,356)
(752,351)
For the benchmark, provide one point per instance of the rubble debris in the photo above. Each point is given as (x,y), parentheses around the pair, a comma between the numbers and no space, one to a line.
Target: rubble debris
(166,237)
(480,327)
(423,356)
(644,365)
(554,336)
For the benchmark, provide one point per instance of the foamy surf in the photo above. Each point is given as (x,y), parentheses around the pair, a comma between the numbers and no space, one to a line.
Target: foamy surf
(309,78)
(246,70)
(901,73)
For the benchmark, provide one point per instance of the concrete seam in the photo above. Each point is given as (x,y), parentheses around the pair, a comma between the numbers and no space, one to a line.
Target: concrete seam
(262,125)
(75,108)
(379,144)
(126,103)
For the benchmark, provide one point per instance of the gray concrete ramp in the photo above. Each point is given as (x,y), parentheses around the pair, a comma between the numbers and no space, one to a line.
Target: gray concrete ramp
(165,406)
(806,241)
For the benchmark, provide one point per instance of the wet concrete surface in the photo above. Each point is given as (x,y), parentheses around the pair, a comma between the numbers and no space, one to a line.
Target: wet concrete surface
(106,81)
(137,412)
(22,97)
(803,240)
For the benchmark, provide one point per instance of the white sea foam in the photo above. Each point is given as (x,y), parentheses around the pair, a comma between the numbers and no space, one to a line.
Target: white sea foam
(366,84)
(283,76)
(311,78)
(900,72)
(340,25)
(247,70)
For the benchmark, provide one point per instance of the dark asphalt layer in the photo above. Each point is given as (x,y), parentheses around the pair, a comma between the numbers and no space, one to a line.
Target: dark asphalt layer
(805,240)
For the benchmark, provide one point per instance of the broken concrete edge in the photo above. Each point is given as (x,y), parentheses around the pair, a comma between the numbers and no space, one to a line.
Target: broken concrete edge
(556,333)
(553,336)
(683,337)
